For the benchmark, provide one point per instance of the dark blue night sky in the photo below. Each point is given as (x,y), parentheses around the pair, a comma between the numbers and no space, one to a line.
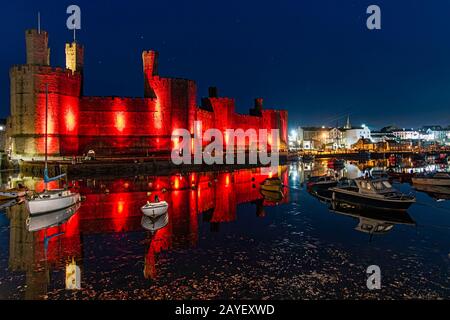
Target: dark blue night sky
(315,58)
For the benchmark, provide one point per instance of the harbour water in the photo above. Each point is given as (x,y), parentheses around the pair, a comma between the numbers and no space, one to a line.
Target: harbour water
(223,239)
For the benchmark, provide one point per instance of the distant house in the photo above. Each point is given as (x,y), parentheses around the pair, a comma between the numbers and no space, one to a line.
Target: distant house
(364,144)
(435,133)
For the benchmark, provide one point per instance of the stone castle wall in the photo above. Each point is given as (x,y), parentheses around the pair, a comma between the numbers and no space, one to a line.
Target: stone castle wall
(111,126)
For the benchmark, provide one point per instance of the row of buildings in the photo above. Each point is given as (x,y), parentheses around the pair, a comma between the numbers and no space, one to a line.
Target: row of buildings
(361,137)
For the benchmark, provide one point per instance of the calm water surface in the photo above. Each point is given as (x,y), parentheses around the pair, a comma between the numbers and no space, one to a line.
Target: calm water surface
(223,239)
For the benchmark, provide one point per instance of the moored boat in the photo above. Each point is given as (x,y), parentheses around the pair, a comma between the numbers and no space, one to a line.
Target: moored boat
(439,193)
(9,194)
(51,200)
(272,184)
(375,193)
(435,179)
(322,182)
(155,209)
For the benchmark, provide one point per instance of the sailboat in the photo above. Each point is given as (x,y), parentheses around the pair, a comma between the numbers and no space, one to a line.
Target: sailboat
(50,200)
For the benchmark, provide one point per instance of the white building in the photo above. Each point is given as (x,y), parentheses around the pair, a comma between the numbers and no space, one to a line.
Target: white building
(407,134)
(352,135)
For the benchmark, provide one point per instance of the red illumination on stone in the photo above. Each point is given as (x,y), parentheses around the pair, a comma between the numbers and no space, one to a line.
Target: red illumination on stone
(119,121)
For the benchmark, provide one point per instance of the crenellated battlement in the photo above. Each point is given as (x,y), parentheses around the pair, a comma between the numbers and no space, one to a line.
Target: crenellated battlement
(112,125)
(26,69)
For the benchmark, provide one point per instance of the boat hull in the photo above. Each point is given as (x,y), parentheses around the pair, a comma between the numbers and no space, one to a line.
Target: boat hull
(271,188)
(431,181)
(42,206)
(371,202)
(154,211)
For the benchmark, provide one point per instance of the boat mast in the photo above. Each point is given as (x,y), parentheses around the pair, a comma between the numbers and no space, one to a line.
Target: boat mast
(46,131)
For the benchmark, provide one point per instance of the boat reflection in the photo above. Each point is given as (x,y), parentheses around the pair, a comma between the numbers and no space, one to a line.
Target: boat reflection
(55,218)
(112,206)
(373,222)
(154,224)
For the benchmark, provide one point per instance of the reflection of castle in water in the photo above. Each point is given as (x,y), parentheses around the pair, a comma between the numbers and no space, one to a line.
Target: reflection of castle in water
(113,206)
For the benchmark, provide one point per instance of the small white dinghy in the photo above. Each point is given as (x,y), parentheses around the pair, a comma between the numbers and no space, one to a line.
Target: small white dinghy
(51,200)
(155,209)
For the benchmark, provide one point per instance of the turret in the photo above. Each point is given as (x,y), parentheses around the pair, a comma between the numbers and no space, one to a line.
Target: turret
(257,109)
(75,60)
(38,52)
(74,57)
(150,64)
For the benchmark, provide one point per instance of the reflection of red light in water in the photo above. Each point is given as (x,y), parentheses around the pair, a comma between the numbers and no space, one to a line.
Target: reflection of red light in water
(227,179)
(126,185)
(120,207)
(176,184)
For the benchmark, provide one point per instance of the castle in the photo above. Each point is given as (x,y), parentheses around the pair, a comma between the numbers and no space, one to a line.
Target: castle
(111,126)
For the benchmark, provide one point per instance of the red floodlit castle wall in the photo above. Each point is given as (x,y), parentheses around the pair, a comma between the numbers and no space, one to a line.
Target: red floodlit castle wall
(113,125)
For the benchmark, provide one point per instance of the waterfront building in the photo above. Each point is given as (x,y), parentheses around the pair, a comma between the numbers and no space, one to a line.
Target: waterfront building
(435,133)
(112,126)
(407,134)
(313,138)
(353,134)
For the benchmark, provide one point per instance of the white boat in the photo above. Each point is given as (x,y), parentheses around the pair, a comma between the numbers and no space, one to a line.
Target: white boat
(56,218)
(51,200)
(437,179)
(155,209)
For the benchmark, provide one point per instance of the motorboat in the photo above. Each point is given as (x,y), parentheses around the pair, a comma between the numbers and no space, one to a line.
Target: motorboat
(154,224)
(55,218)
(440,193)
(322,182)
(375,193)
(51,200)
(272,184)
(155,209)
(434,179)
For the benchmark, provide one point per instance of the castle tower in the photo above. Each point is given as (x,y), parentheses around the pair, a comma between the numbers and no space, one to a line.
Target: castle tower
(150,64)
(257,109)
(75,59)
(38,52)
